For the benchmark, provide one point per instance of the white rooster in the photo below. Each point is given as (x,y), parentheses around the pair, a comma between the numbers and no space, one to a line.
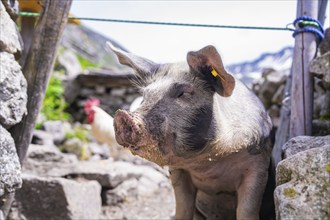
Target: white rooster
(102,125)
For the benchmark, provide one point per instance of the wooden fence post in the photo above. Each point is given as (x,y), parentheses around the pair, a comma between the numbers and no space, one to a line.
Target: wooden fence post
(283,131)
(38,67)
(302,81)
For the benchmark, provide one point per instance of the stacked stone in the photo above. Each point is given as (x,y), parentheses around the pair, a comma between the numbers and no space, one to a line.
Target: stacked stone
(111,99)
(302,177)
(320,68)
(59,186)
(13,98)
(270,90)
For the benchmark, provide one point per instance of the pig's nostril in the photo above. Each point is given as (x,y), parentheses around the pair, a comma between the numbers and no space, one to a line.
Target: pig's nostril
(129,128)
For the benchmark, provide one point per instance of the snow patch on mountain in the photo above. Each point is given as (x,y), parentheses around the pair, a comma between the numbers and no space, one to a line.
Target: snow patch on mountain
(251,71)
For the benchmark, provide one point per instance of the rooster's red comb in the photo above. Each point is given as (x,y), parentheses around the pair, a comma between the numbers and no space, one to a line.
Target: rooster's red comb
(91,102)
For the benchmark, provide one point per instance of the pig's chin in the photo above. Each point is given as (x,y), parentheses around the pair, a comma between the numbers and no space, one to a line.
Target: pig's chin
(132,134)
(149,152)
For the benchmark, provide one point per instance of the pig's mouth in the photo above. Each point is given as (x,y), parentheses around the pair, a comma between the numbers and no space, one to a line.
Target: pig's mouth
(131,133)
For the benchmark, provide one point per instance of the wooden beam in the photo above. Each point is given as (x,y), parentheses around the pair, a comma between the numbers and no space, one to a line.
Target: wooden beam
(107,78)
(282,132)
(302,81)
(38,67)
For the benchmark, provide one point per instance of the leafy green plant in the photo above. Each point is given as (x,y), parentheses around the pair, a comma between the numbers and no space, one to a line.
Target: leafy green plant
(54,105)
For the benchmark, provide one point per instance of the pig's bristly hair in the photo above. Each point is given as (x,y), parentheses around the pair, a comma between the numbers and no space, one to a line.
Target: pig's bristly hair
(138,82)
(186,138)
(142,81)
(248,124)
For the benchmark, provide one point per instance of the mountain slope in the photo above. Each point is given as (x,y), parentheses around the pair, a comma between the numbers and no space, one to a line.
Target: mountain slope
(251,70)
(91,45)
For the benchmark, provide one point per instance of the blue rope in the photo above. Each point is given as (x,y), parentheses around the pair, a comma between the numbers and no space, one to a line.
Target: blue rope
(31,14)
(308,24)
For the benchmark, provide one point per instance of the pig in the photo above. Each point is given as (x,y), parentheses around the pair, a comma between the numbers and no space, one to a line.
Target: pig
(207,127)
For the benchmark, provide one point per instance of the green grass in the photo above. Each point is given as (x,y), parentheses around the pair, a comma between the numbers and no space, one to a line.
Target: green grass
(85,63)
(79,133)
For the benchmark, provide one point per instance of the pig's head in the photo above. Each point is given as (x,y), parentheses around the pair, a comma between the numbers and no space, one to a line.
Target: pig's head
(175,119)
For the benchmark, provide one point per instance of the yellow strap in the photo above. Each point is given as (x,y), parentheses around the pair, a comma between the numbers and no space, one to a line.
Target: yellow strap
(215,74)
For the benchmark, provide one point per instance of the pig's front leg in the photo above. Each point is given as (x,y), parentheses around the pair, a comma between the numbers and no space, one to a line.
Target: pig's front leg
(185,194)
(250,194)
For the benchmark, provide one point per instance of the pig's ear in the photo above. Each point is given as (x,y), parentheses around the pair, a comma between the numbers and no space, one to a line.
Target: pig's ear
(207,64)
(141,65)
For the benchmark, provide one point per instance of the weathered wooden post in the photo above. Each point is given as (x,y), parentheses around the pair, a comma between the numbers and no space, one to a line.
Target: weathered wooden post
(302,81)
(39,65)
(284,130)
(282,133)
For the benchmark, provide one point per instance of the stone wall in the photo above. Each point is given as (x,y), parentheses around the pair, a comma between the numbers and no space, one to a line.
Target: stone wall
(13,99)
(271,90)
(302,177)
(115,90)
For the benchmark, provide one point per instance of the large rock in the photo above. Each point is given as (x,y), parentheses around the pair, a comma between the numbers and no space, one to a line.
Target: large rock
(271,83)
(112,173)
(133,188)
(72,90)
(139,199)
(57,129)
(70,63)
(321,107)
(76,146)
(58,198)
(303,143)
(325,43)
(12,9)
(48,161)
(303,182)
(41,137)
(320,67)
(321,127)
(158,205)
(130,190)
(9,37)
(10,169)
(99,150)
(13,86)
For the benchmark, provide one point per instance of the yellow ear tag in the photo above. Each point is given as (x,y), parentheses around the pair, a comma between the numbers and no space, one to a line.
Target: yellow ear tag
(215,74)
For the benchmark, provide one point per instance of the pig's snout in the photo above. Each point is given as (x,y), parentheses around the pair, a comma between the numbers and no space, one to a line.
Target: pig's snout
(129,128)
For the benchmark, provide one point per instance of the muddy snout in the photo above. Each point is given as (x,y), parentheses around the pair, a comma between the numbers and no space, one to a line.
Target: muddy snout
(129,128)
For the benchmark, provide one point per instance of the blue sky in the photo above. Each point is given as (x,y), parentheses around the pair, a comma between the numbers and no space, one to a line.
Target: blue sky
(170,44)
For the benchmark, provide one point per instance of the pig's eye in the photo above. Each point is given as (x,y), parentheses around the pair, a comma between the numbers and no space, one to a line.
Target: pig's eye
(179,90)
